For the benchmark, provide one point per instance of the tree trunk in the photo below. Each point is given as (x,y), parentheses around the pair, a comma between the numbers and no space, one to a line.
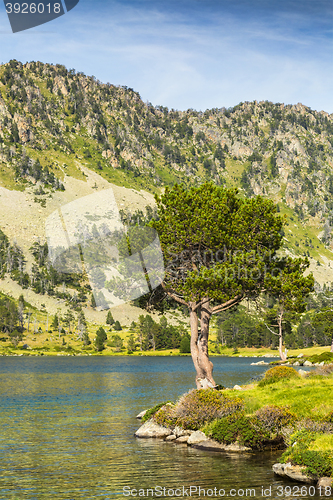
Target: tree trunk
(283,355)
(194,344)
(199,347)
(205,363)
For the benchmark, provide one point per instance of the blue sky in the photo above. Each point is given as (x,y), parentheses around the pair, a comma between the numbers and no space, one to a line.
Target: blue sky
(192,53)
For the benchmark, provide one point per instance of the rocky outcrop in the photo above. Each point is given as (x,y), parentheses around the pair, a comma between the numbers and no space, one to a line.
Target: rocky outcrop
(295,472)
(152,430)
(197,439)
(212,445)
(141,414)
(325,482)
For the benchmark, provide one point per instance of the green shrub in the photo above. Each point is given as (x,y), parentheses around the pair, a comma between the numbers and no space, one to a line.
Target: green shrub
(329,417)
(278,373)
(326,356)
(165,416)
(197,407)
(318,463)
(149,413)
(273,418)
(246,430)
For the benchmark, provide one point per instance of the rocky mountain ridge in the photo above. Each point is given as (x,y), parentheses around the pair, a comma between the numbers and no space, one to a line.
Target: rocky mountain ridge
(60,129)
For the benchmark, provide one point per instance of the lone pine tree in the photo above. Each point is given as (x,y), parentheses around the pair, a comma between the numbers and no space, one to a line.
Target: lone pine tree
(218,250)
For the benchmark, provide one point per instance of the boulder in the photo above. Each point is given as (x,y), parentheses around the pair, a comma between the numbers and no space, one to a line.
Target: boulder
(178,431)
(278,469)
(237,388)
(197,437)
(325,482)
(295,472)
(300,355)
(302,373)
(260,363)
(152,430)
(182,439)
(172,437)
(141,414)
(296,363)
(307,363)
(212,445)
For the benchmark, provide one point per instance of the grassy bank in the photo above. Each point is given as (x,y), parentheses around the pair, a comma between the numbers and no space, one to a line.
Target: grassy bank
(49,343)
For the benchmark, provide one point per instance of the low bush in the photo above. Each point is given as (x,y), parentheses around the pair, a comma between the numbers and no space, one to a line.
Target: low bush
(278,373)
(165,416)
(326,356)
(329,417)
(198,407)
(324,370)
(246,430)
(149,413)
(273,418)
(310,425)
(318,463)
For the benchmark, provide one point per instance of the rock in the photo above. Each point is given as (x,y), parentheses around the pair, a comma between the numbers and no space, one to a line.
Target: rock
(182,439)
(300,355)
(278,469)
(325,482)
(212,445)
(178,431)
(172,437)
(302,373)
(295,472)
(152,430)
(260,363)
(307,363)
(296,363)
(197,437)
(141,414)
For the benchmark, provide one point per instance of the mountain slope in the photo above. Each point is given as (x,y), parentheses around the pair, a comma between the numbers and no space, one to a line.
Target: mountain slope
(63,135)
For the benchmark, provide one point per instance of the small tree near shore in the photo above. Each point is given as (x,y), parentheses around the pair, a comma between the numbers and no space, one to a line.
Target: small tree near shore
(290,288)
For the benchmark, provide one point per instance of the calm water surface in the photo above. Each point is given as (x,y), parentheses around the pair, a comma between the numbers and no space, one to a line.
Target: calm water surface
(67,426)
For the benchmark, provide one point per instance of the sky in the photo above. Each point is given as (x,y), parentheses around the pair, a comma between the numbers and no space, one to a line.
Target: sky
(198,54)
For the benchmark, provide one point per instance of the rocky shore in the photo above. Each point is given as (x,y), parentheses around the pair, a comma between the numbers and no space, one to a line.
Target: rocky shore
(199,440)
(196,439)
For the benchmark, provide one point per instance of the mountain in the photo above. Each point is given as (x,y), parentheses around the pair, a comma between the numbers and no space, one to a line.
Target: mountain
(64,134)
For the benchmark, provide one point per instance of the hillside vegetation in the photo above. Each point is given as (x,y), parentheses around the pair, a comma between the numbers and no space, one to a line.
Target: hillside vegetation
(65,135)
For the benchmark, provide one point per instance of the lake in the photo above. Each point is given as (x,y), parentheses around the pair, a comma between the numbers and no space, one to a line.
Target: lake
(68,423)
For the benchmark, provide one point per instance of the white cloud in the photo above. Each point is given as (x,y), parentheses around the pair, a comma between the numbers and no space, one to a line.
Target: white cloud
(181,62)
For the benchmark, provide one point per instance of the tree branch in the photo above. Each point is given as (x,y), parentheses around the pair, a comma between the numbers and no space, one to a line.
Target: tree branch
(227,305)
(274,333)
(174,296)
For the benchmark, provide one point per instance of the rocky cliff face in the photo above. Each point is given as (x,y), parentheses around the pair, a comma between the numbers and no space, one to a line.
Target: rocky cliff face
(54,122)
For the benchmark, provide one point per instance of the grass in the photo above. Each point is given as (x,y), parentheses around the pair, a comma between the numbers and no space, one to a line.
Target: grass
(322,442)
(308,398)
